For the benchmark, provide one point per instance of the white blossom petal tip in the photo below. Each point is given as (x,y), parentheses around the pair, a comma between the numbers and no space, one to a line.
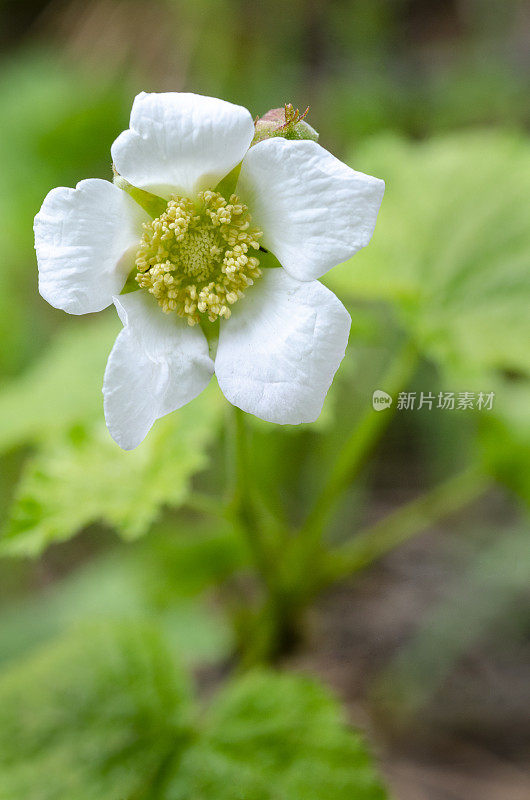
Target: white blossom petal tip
(279,351)
(157,365)
(180,142)
(85,239)
(315,211)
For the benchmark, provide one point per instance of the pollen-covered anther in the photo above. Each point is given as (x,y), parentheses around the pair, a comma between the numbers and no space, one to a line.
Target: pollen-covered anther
(194,257)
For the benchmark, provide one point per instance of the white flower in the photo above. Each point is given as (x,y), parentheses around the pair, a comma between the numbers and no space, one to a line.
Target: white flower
(279,347)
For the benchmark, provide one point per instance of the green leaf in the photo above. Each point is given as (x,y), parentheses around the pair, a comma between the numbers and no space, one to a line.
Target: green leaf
(504,435)
(78,475)
(275,737)
(452,246)
(92,717)
(62,388)
(103,714)
(83,477)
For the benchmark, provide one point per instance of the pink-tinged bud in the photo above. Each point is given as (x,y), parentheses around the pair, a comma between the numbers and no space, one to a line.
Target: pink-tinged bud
(287,122)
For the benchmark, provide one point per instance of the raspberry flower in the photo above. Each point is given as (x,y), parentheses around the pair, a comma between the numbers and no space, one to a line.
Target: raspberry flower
(223,237)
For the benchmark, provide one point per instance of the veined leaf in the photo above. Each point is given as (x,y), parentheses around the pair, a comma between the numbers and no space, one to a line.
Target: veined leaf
(104,715)
(92,717)
(275,737)
(452,246)
(83,477)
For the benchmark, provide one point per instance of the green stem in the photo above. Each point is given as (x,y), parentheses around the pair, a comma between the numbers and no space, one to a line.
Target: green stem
(244,503)
(357,446)
(205,504)
(266,628)
(398,527)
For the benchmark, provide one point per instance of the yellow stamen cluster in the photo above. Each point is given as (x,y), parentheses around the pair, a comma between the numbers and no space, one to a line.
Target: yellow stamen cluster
(194,257)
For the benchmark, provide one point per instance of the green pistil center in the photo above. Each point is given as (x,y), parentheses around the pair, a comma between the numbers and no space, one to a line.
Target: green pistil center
(194,258)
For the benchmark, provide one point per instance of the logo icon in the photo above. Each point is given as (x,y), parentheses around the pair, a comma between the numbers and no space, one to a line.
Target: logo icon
(381,400)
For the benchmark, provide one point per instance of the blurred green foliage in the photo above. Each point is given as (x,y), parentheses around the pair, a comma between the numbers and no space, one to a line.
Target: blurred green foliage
(33,408)
(451,248)
(80,476)
(164,579)
(121,721)
(451,254)
(56,125)
(268,736)
(103,730)
(484,599)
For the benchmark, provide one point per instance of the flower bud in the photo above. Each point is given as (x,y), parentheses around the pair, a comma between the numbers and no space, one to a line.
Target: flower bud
(287,122)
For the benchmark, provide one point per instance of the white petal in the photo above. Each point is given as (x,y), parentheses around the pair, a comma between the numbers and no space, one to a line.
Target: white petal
(314,210)
(157,365)
(181,143)
(281,347)
(85,240)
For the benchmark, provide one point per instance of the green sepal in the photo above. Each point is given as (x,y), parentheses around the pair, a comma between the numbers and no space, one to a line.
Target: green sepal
(267,260)
(152,203)
(130,284)
(227,186)
(211,332)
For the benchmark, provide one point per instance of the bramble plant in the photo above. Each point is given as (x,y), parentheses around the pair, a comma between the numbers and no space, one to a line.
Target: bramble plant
(210,242)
